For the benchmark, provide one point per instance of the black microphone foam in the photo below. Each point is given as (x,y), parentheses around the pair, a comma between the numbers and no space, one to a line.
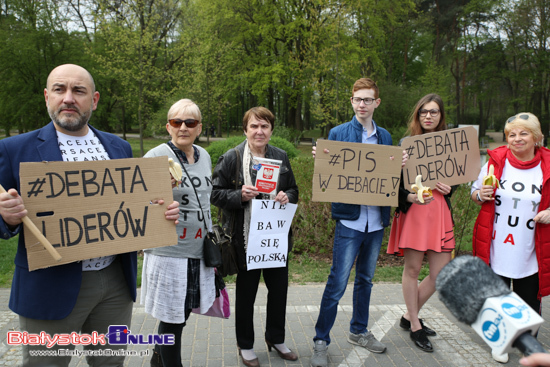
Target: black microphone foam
(465,283)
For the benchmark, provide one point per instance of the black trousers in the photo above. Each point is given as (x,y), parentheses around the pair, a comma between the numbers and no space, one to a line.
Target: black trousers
(171,354)
(528,289)
(276,281)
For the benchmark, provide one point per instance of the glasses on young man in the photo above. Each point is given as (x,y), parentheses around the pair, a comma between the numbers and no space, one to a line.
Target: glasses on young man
(433,113)
(367,101)
(189,123)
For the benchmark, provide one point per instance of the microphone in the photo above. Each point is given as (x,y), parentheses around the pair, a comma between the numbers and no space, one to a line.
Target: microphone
(478,297)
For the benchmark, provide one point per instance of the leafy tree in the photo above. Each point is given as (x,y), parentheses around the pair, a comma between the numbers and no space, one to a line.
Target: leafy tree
(140,50)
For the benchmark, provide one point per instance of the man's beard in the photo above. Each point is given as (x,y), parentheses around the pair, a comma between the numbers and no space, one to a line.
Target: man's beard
(70,123)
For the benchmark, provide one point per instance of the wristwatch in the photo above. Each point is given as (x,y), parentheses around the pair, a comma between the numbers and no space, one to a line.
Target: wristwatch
(479,197)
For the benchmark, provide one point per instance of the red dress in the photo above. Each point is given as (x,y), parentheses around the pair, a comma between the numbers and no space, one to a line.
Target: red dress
(423,228)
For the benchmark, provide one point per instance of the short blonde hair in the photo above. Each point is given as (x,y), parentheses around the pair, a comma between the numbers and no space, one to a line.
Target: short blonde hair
(527,121)
(185,107)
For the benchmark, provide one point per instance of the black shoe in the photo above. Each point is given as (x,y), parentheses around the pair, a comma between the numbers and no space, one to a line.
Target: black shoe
(156,361)
(406,324)
(421,341)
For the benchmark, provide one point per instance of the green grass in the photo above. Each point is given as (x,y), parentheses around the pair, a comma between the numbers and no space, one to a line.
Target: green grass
(7,255)
(148,144)
(302,269)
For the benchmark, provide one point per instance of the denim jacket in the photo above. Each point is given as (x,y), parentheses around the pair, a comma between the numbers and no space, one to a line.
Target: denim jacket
(352,131)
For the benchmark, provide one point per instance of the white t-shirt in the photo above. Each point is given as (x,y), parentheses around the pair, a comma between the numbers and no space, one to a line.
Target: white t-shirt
(517,202)
(78,149)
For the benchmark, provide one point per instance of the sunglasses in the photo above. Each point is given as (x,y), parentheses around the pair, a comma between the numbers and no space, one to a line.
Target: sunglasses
(523,117)
(177,122)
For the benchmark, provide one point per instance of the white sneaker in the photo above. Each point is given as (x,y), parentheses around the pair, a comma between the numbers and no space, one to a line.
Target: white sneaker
(501,358)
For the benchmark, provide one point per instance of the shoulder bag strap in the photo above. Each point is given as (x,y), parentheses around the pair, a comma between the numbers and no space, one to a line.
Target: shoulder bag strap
(193,186)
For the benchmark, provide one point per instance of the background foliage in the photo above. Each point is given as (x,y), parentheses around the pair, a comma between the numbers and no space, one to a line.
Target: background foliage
(217,148)
(488,59)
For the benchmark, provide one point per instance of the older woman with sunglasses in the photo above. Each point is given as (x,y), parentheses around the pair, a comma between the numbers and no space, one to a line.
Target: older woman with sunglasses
(511,233)
(174,278)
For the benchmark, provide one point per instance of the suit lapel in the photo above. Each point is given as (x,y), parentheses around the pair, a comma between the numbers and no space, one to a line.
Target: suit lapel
(47,146)
(115,151)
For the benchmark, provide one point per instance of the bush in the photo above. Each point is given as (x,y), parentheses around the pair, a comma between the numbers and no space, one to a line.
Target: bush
(312,227)
(288,133)
(218,148)
(465,212)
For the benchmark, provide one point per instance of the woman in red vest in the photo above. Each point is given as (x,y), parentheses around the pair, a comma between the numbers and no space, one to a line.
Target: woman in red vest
(511,233)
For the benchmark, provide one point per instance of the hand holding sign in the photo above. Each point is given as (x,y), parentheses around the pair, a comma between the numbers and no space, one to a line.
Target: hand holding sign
(30,225)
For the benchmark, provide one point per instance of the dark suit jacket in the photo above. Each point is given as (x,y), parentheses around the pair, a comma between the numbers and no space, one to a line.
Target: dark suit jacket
(49,294)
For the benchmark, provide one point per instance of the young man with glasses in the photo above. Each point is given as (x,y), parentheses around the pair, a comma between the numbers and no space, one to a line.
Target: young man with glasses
(358,236)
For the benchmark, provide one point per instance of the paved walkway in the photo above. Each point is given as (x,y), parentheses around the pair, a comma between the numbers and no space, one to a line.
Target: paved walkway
(210,341)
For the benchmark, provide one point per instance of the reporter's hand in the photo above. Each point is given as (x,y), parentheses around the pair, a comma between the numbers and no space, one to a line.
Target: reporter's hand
(536,359)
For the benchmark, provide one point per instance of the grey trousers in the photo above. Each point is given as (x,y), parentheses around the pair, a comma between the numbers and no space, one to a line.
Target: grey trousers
(104,300)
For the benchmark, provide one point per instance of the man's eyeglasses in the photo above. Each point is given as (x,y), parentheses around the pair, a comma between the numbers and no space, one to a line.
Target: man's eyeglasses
(357,100)
(433,113)
(523,117)
(189,122)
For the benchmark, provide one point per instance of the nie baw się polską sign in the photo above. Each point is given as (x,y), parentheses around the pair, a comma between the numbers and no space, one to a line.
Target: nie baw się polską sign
(98,208)
(355,173)
(448,156)
(270,223)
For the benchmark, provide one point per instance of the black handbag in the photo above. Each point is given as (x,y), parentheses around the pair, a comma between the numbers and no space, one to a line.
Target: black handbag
(229,253)
(213,246)
(212,250)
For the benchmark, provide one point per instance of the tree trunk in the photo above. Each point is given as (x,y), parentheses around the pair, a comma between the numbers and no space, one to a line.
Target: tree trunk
(298,113)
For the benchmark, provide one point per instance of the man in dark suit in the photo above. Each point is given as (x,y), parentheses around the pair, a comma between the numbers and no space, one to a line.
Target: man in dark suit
(82,297)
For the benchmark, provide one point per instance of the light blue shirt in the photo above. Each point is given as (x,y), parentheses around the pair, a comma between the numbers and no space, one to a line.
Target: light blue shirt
(369,213)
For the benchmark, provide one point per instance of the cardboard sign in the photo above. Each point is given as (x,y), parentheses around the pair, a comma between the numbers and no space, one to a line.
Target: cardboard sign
(355,173)
(268,236)
(99,208)
(449,156)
